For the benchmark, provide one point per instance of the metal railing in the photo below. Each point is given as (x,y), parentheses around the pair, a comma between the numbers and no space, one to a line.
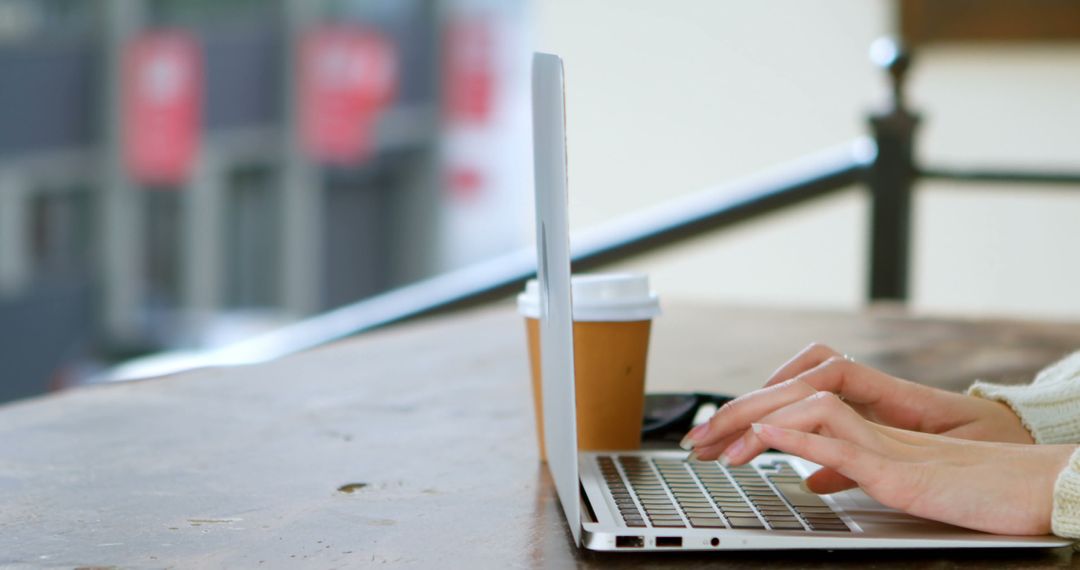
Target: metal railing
(724,206)
(883,164)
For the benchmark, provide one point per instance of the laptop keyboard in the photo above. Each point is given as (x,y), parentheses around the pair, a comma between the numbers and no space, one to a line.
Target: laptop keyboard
(672,493)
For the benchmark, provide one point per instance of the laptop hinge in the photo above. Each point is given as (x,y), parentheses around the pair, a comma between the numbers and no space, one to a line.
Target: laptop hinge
(587,509)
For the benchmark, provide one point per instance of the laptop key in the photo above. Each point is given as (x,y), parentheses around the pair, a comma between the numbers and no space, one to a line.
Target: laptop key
(786,525)
(745,522)
(824,520)
(825,510)
(831,527)
(798,497)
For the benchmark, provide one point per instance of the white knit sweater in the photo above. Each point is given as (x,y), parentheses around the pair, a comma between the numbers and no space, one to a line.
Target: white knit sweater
(1049,408)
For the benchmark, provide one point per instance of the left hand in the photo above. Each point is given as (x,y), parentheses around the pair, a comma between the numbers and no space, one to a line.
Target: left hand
(877,396)
(993,487)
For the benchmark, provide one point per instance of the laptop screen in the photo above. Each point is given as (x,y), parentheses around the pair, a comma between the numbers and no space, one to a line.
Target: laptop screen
(553,274)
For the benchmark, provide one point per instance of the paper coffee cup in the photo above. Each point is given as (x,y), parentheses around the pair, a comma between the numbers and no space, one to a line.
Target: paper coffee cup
(612,319)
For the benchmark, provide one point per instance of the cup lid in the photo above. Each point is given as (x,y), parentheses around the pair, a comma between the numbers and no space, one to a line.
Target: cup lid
(600,297)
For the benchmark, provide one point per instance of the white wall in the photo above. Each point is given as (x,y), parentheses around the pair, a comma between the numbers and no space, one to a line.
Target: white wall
(990,249)
(669,98)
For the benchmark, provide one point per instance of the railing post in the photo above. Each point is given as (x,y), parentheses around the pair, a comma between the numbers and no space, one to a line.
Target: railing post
(121,215)
(890,179)
(14,247)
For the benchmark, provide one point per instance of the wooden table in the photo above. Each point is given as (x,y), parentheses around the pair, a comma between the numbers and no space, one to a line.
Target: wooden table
(412,447)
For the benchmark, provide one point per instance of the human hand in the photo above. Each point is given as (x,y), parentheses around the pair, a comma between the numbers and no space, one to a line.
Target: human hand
(993,487)
(877,396)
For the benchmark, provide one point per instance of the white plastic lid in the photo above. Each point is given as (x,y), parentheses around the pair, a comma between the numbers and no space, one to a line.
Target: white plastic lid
(601,297)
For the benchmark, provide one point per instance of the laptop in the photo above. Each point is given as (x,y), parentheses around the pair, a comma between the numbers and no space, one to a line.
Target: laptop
(656,500)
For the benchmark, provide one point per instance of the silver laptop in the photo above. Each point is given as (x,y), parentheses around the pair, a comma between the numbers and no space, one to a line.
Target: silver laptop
(632,501)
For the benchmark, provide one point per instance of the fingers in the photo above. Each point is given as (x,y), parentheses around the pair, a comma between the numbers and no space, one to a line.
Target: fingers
(735,417)
(858,384)
(809,357)
(846,458)
(880,397)
(821,412)
(854,382)
(826,369)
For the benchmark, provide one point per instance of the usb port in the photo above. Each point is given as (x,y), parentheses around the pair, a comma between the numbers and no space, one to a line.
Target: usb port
(629,542)
(668,541)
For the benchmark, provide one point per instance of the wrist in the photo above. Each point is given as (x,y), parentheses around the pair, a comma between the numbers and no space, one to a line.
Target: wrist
(1012,428)
(1049,413)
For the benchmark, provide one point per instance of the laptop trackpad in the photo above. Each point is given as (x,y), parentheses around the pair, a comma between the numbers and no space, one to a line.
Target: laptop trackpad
(872,516)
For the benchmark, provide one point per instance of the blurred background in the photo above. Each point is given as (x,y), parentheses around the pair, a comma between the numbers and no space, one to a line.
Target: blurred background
(179,175)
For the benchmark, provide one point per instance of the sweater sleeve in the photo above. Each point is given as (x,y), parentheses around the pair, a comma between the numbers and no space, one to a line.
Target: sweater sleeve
(1065,520)
(1049,407)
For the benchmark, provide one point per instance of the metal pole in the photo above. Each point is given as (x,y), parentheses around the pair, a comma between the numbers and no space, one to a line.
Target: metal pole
(14,246)
(891,178)
(203,256)
(301,192)
(121,215)
(417,204)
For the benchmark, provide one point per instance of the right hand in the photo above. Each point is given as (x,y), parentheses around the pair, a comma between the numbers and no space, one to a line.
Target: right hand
(877,396)
(993,487)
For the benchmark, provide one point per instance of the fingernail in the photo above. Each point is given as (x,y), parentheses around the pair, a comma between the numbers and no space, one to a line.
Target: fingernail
(693,436)
(757,428)
(724,461)
(732,451)
(692,457)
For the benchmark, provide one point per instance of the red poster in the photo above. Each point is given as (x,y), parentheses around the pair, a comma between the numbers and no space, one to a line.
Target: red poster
(469,67)
(162,106)
(347,76)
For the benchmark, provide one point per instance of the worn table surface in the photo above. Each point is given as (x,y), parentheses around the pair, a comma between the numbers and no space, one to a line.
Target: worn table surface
(429,427)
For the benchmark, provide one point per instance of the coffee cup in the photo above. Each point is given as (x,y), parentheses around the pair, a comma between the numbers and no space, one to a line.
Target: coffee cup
(612,316)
